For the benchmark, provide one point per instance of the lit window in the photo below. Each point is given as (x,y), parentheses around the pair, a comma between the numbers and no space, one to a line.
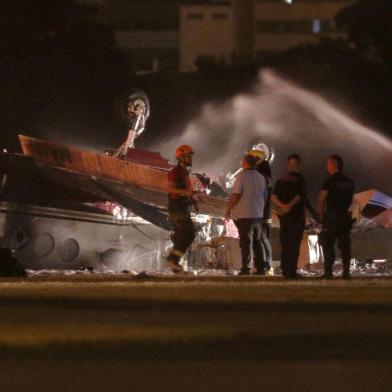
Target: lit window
(316,26)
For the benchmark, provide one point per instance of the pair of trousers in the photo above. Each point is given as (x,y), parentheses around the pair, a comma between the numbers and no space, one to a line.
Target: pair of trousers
(291,231)
(251,234)
(336,230)
(183,236)
(267,243)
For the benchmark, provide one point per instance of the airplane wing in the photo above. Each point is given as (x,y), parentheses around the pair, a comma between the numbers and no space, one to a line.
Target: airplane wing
(130,181)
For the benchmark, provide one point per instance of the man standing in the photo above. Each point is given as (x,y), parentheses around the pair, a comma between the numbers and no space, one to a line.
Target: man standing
(289,195)
(333,206)
(264,168)
(180,199)
(246,206)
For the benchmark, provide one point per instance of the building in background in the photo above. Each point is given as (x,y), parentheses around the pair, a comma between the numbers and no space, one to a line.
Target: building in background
(253,29)
(281,25)
(146,30)
(174,35)
(206,31)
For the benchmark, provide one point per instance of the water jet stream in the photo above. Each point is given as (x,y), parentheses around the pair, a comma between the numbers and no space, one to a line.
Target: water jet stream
(290,119)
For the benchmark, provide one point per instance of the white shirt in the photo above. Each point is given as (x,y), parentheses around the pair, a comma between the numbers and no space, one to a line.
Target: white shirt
(250,184)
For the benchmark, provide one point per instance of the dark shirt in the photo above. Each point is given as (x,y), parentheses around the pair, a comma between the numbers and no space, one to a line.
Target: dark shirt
(180,178)
(289,186)
(340,194)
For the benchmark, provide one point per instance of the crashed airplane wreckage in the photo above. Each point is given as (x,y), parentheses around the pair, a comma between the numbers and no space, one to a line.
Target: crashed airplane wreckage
(66,208)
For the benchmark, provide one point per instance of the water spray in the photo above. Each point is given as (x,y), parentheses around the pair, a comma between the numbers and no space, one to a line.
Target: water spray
(292,120)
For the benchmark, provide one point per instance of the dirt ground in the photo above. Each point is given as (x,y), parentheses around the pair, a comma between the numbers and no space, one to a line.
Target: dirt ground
(103,332)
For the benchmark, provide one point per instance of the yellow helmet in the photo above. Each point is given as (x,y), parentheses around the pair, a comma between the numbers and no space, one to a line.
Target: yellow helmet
(260,155)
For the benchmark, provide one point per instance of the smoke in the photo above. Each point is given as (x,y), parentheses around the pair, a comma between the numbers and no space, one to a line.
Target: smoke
(290,119)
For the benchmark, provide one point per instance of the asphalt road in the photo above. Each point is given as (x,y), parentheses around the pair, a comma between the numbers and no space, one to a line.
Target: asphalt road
(111,333)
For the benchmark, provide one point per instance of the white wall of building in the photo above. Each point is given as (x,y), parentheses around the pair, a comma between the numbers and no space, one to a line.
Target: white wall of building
(205,30)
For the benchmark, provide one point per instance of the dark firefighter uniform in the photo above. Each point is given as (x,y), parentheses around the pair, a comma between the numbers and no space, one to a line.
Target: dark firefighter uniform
(184,232)
(337,221)
(292,223)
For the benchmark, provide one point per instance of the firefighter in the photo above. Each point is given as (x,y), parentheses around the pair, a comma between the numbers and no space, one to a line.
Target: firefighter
(246,206)
(180,200)
(333,205)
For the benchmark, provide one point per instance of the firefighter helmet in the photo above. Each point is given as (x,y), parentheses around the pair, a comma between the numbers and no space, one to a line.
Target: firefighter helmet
(184,149)
(258,154)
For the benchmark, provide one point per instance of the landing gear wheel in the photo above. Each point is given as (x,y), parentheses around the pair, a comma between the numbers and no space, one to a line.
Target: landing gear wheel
(136,103)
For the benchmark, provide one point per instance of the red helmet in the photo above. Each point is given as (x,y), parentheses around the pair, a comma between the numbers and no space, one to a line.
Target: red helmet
(185,149)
